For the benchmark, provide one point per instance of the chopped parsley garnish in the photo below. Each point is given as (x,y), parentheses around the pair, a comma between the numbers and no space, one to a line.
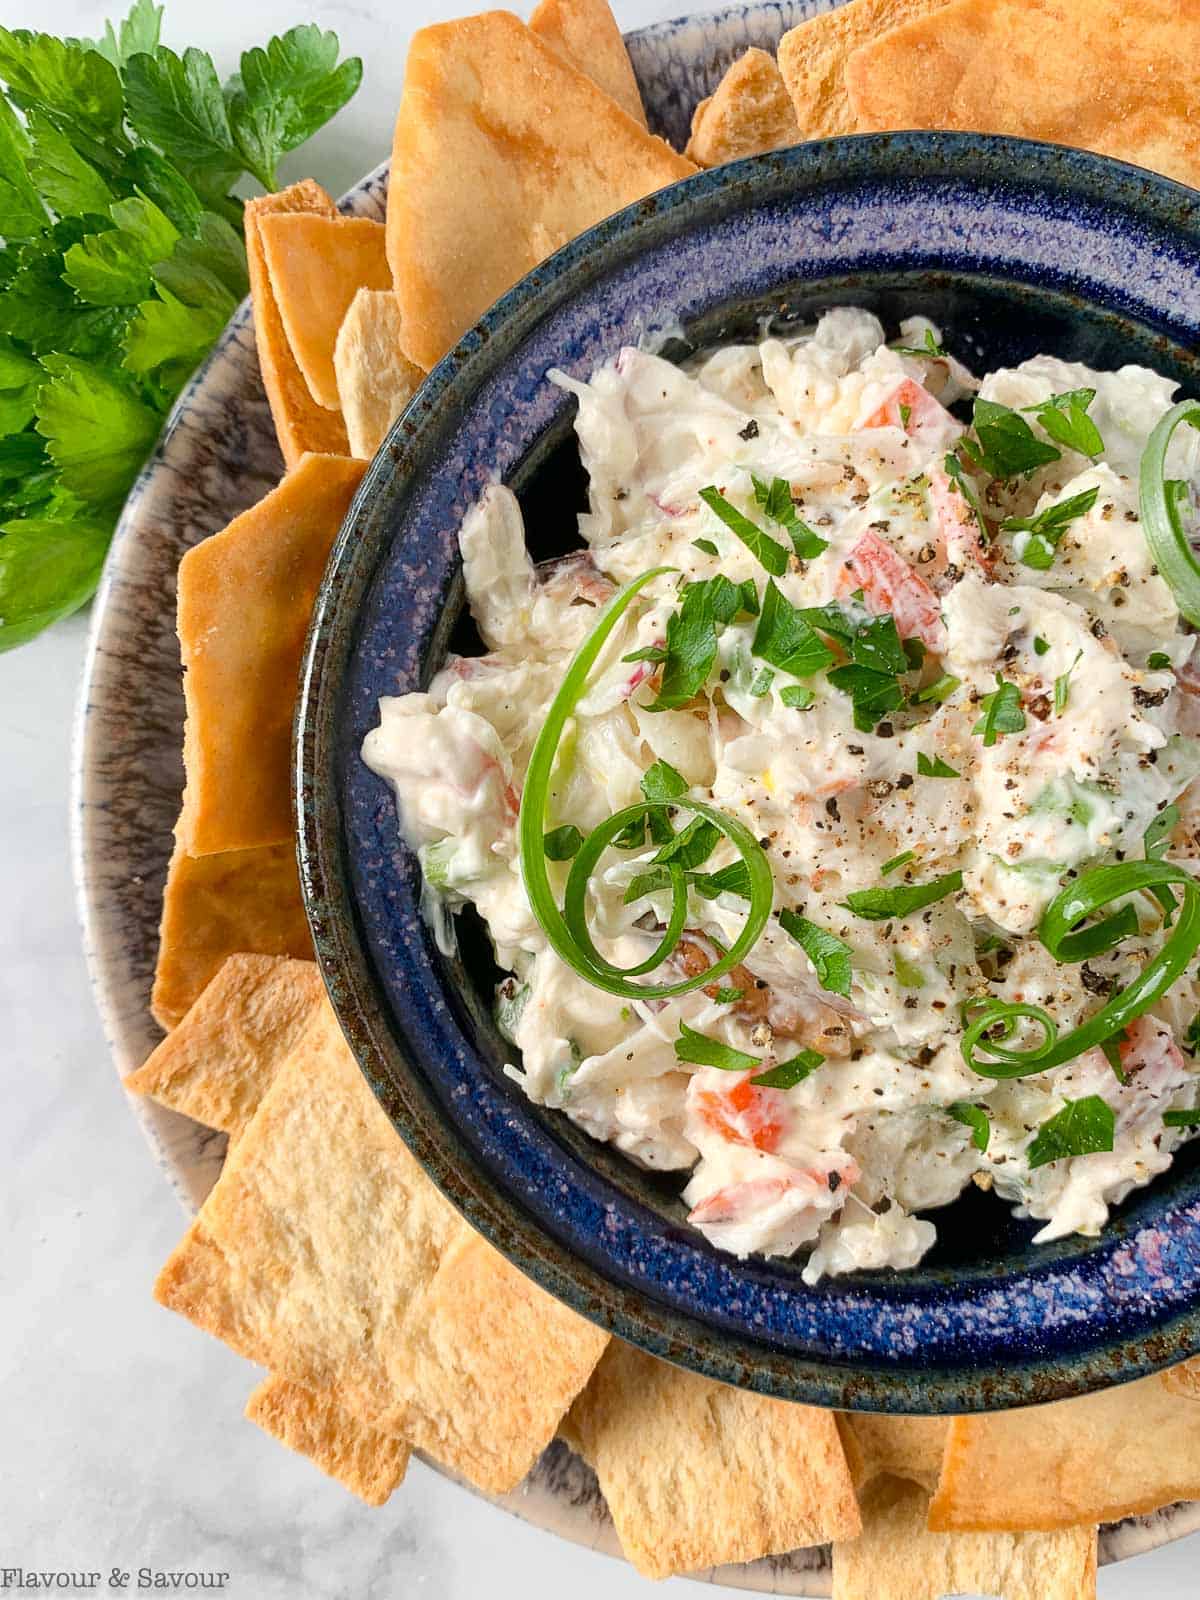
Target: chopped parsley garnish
(775,500)
(1182,1119)
(727,997)
(789,1073)
(762,683)
(1047,528)
(1062,685)
(701,1051)
(768,551)
(953,469)
(930,348)
(1191,1035)
(796,696)
(877,660)
(1083,1127)
(562,844)
(1041,647)
(1156,841)
(1002,712)
(934,767)
(662,782)
(973,1117)
(691,647)
(877,905)
(938,691)
(648,652)
(1158,661)
(733,879)
(707,546)
(690,847)
(1005,445)
(1065,418)
(828,954)
(897,862)
(905,415)
(785,639)
(873,694)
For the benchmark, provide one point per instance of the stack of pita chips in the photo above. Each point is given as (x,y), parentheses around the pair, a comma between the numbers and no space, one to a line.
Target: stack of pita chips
(1119,77)
(323,1254)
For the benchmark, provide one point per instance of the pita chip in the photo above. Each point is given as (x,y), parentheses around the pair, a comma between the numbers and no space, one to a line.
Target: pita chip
(1183,1379)
(495,1363)
(902,1447)
(502,153)
(316,265)
(218,906)
(319,1235)
(897,1558)
(1118,1453)
(1114,76)
(375,379)
(749,112)
(217,1064)
(368,1463)
(813,56)
(300,423)
(697,1474)
(586,32)
(245,601)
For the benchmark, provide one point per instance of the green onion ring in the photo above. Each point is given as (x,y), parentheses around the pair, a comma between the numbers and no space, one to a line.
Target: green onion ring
(567,930)
(1087,895)
(1162,524)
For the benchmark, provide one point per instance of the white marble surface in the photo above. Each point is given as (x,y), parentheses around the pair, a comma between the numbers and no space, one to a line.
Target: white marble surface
(121,1444)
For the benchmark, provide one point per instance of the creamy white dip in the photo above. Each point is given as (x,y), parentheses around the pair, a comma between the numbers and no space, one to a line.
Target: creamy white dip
(847,1163)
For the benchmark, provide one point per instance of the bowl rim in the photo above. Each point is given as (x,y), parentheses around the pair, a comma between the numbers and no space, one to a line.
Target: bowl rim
(440,1147)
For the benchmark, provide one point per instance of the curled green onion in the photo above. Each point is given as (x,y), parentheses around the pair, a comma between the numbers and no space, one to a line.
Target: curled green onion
(1160,501)
(1059,931)
(566,928)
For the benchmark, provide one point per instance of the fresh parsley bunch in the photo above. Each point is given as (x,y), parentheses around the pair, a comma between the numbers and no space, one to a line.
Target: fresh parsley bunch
(121,261)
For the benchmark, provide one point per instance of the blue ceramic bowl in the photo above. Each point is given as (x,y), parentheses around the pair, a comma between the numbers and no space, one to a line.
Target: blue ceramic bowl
(1013,248)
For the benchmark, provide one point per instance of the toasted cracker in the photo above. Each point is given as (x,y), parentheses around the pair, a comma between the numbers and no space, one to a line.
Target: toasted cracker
(1118,1453)
(218,906)
(896,1558)
(301,425)
(1119,77)
(748,113)
(902,1447)
(218,1063)
(813,57)
(318,1236)
(587,33)
(313,1423)
(502,153)
(317,264)
(375,379)
(245,601)
(495,1362)
(697,1474)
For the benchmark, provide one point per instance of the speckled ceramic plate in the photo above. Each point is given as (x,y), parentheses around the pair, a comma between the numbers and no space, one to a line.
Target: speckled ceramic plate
(217,457)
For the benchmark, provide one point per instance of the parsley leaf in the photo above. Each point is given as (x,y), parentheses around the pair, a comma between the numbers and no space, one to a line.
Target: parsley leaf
(1082,1127)
(768,551)
(1007,446)
(98,432)
(953,469)
(691,846)
(784,639)
(48,568)
(873,694)
(691,649)
(934,767)
(648,652)
(973,1117)
(1065,418)
(829,955)
(1182,1119)
(727,997)
(733,879)
(1158,661)
(707,546)
(176,103)
(701,1051)
(1002,712)
(796,697)
(877,905)
(775,499)
(1156,841)
(562,844)
(791,1072)
(762,683)
(1041,647)
(285,93)
(1047,528)
(896,862)
(930,348)
(1062,685)
(938,691)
